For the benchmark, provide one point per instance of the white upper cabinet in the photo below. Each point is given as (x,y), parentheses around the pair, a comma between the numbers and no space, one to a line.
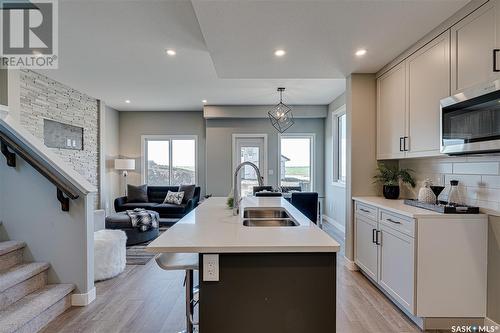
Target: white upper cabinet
(391,113)
(428,76)
(473,42)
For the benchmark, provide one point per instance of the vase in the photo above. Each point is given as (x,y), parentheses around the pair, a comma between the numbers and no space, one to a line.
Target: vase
(391,191)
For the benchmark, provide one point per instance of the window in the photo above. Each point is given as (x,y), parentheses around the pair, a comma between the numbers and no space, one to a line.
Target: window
(340,146)
(169,160)
(296,161)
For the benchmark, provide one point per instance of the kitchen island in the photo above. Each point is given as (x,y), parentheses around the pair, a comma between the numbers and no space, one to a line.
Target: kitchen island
(271,279)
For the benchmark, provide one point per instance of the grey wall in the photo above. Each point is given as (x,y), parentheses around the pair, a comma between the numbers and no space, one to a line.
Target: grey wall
(135,124)
(110,139)
(219,149)
(335,194)
(63,239)
(3,87)
(361,150)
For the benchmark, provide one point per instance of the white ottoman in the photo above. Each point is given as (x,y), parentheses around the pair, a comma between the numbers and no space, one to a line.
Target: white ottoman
(109,253)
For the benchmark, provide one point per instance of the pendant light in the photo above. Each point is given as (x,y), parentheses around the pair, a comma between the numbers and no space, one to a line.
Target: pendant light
(281,115)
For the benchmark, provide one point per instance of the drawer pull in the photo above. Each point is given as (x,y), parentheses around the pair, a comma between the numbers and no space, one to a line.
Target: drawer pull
(364,210)
(495,55)
(392,221)
(374,237)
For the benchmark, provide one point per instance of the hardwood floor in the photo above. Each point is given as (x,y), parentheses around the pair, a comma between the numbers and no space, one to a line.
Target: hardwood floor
(146,299)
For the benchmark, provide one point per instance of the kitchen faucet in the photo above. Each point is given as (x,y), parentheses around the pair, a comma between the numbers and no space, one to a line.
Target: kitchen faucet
(236,198)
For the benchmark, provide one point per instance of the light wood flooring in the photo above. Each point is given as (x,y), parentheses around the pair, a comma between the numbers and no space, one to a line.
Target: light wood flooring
(146,299)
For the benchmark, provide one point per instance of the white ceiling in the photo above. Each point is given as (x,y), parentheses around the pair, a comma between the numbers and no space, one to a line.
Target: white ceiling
(115,50)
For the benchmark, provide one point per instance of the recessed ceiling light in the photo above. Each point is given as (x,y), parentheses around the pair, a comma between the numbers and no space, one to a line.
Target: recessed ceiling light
(204,101)
(127,101)
(171,52)
(360,52)
(279,53)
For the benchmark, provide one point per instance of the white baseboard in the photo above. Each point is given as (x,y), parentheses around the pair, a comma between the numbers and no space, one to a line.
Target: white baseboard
(489,322)
(83,299)
(334,223)
(351,265)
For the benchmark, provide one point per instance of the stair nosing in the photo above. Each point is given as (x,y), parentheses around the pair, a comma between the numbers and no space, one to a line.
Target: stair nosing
(16,277)
(45,302)
(14,245)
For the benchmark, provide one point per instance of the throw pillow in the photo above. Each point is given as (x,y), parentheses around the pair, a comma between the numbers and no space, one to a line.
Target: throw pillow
(174,198)
(188,192)
(137,193)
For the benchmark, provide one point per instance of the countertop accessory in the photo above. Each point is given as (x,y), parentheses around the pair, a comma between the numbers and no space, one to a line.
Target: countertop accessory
(454,195)
(437,189)
(425,194)
(390,177)
(443,207)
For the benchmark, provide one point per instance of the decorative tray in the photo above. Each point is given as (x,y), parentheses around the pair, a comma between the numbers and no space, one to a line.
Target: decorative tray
(443,207)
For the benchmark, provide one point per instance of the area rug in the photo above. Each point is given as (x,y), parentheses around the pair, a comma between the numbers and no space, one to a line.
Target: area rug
(137,255)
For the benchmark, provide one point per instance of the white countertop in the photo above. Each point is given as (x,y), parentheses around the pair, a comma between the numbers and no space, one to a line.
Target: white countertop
(212,228)
(399,207)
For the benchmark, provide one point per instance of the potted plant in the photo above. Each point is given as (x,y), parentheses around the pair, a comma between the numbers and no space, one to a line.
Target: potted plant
(390,177)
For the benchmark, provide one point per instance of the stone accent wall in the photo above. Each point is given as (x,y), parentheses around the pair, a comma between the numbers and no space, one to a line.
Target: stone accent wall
(43,98)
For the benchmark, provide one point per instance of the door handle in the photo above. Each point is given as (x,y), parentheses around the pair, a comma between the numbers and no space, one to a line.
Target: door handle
(391,220)
(377,240)
(495,60)
(404,143)
(401,139)
(374,240)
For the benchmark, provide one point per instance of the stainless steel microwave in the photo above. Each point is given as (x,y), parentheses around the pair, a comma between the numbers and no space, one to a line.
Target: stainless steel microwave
(470,121)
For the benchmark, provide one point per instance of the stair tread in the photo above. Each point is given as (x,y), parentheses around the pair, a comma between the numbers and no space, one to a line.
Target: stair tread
(29,307)
(19,273)
(9,246)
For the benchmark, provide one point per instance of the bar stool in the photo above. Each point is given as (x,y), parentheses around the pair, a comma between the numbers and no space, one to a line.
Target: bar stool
(189,263)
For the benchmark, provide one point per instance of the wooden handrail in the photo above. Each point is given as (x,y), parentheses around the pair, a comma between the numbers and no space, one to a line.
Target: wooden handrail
(65,190)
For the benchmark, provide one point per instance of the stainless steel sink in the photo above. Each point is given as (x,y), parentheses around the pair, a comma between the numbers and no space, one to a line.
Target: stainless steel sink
(265,212)
(270,223)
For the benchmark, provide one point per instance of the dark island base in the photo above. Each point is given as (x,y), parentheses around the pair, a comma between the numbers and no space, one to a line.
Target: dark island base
(270,293)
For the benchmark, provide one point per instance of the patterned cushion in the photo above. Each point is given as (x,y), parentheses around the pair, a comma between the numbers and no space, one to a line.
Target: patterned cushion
(174,197)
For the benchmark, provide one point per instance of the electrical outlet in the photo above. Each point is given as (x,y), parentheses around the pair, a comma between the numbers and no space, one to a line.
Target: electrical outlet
(210,267)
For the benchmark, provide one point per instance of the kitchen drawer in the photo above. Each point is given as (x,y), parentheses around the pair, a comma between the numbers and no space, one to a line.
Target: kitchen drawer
(366,211)
(398,222)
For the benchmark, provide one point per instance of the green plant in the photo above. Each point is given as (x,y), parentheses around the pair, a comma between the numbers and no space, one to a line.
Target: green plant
(392,175)
(230,202)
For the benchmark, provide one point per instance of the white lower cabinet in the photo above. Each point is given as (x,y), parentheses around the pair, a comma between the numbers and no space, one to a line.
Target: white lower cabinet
(366,248)
(421,259)
(396,252)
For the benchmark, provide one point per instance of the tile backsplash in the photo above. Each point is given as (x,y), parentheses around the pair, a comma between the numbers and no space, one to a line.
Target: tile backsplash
(478,176)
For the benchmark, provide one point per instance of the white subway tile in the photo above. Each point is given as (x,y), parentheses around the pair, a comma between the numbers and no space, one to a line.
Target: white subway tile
(491,181)
(483,168)
(465,180)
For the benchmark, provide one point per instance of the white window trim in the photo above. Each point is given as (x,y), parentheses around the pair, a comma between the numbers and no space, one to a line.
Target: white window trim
(144,138)
(311,136)
(335,145)
(235,136)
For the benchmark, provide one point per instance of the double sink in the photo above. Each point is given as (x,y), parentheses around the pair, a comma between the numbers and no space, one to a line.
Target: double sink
(267,217)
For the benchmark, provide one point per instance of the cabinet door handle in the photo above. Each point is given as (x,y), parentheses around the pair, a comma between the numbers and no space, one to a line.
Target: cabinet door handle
(401,139)
(364,210)
(404,143)
(377,239)
(391,220)
(495,56)
(374,239)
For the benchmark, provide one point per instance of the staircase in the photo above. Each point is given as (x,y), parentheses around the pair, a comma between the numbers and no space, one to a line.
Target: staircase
(27,302)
